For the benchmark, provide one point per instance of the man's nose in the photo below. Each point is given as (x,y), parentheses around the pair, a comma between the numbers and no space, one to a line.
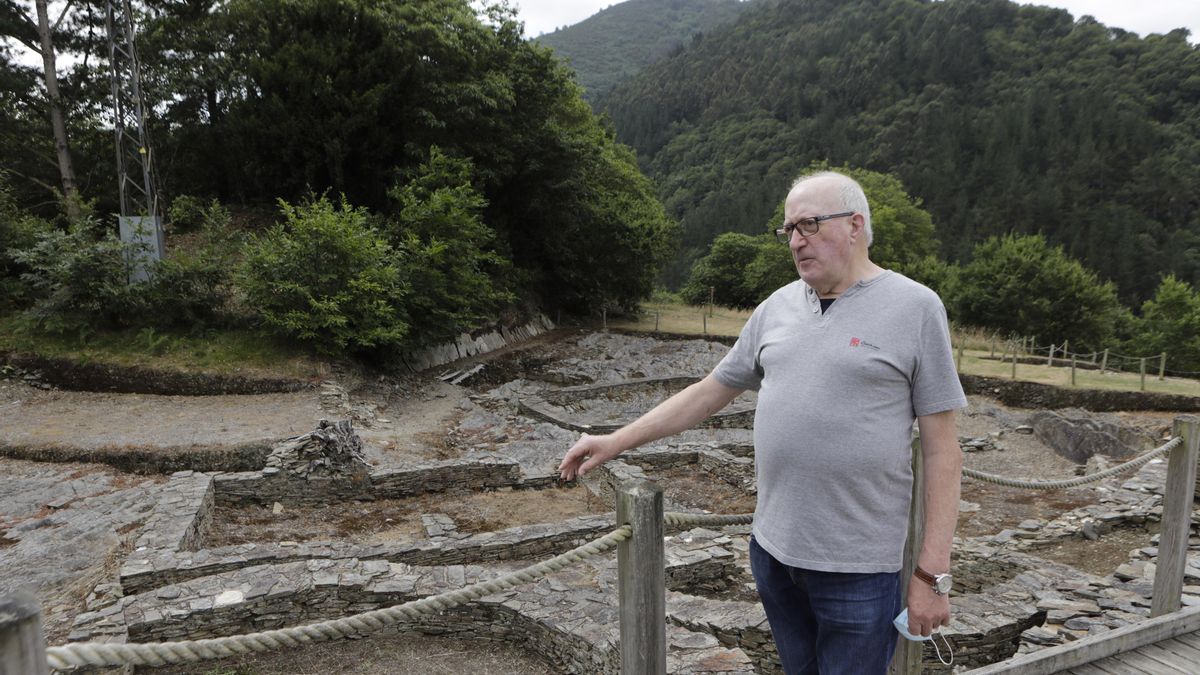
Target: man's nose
(798,240)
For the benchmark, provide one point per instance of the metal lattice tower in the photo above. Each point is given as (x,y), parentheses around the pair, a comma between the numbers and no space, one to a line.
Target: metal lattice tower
(134,171)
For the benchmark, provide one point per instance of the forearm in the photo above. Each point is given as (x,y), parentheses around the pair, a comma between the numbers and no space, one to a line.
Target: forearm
(942,462)
(678,413)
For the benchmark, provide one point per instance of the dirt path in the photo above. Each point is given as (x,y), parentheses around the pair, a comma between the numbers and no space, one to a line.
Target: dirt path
(33,417)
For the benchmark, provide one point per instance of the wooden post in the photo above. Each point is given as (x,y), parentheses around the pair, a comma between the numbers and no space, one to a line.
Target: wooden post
(1143,371)
(1072,370)
(1162,366)
(1176,518)
(959,365)
(641,579)
(1004,355)
(1050,359)
(1094,358)
(1064,349)
(604,317)
(656,322)
(22,641)
(907,659)
(993,355)
(712,293)
(1104,361)
(1014,368)
(705,318)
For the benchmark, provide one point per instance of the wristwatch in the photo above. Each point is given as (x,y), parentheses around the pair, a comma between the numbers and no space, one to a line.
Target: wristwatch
(941,583)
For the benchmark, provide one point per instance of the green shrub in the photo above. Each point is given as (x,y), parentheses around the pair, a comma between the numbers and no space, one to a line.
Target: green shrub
(79,279)
(18,231)
(325,277)
(457,280)
(192,213)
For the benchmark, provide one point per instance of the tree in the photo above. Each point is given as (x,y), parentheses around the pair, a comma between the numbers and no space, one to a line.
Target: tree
(39,36)
(724,271)
(1023,285)
(458,281)
(1170,322)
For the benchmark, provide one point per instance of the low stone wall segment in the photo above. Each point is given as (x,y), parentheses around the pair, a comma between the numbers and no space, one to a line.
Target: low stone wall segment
(468,345)
(271,485)
(1021,394)
(150,460)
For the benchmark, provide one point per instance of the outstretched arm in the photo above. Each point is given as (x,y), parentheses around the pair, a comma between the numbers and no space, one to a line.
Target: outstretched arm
(682,411)
(942,461)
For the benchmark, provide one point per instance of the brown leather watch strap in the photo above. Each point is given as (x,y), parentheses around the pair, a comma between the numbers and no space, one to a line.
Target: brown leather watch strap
(925,576)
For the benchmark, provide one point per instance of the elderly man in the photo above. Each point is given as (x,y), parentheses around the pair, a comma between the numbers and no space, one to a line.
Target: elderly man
(844,360)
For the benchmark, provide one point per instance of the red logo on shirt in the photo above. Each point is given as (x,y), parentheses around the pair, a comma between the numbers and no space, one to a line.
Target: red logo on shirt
(854,342)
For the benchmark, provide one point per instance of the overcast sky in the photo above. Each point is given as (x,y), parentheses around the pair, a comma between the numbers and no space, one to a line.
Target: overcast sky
(1139,16)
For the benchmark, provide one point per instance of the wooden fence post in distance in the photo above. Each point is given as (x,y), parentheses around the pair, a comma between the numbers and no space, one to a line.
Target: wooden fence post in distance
(22,641)
(641,579)
(1176,518)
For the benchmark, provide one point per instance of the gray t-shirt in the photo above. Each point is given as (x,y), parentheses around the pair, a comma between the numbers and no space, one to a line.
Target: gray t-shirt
(838,394)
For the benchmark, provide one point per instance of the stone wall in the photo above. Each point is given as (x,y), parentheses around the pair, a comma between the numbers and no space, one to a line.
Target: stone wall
(181,516)
(149,460)
(1034,395)
(272,485)
(147,572)
(471,345)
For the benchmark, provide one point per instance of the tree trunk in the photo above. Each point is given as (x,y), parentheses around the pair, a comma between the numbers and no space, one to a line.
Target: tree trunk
(65,167)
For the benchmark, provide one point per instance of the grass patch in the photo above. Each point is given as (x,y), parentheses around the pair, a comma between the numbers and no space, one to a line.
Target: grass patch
(227,352)
(676,317)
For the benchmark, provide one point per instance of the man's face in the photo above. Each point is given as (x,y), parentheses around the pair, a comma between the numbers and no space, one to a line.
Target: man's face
(822,259)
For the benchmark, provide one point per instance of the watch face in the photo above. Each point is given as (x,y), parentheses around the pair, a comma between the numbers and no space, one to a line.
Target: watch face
(943,582)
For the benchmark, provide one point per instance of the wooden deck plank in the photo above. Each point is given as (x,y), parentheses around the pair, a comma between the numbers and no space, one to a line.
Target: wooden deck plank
(1187,653)
(1159,652)
(1094,648)
(1087,669)
(1139,663)
(1190,639)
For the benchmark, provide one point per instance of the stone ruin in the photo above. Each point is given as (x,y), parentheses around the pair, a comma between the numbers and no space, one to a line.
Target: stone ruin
(332,449)
(175,586)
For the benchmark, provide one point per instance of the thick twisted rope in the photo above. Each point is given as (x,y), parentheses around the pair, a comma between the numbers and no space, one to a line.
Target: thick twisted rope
(1073,482)
(677,519)
(162,653)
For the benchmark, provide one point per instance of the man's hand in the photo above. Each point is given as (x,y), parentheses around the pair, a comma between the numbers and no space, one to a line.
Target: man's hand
(927,611)
(588,453)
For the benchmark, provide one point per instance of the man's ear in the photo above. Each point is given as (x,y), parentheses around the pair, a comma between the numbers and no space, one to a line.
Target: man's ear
(858,226)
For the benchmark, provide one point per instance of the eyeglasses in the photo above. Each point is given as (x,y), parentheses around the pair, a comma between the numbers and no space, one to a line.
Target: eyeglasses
(807,226)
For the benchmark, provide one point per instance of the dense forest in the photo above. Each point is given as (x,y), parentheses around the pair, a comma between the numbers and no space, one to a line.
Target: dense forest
(617,42)
(420,164)
(1000,118)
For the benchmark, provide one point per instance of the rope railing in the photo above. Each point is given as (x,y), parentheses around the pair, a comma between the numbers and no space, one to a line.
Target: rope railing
(1073,482)
(162,653)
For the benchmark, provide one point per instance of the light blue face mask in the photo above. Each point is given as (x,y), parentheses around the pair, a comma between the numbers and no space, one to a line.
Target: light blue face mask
(901,623)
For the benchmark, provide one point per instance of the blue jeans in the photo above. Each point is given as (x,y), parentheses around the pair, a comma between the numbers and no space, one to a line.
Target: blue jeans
(829,623)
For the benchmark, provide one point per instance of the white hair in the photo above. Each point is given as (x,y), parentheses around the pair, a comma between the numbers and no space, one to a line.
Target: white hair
(850,193)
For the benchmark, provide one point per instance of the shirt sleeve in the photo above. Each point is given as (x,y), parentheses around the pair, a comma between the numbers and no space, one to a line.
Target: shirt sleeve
(740,368)
(936,387)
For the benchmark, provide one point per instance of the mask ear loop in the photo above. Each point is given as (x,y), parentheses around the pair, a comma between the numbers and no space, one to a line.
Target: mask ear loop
(949,649)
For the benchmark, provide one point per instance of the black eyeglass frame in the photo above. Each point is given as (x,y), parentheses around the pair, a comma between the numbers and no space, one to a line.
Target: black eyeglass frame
(784,234)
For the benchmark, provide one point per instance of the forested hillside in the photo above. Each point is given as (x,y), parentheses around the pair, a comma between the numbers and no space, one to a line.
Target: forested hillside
(617,42)
(1000,117)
